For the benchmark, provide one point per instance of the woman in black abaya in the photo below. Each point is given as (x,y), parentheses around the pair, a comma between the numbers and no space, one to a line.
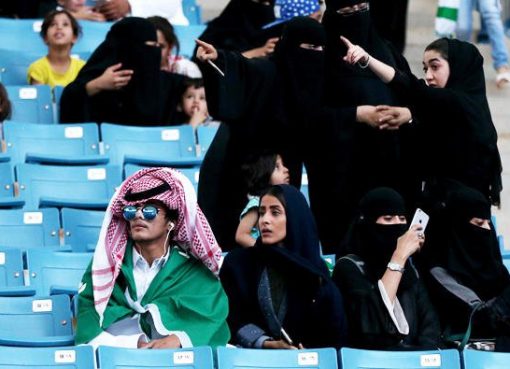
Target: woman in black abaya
(122,82)
(386,302)
(457,139)
(265,104)
(467,275)
(239,28)
(362,156)
(280,293)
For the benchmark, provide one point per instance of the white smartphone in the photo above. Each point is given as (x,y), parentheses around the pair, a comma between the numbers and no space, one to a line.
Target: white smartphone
(421,218)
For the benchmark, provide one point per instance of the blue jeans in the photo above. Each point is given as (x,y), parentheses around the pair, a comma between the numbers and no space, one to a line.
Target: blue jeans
(490,11)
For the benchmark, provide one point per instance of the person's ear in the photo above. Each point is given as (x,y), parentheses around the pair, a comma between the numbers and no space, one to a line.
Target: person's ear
(171,226)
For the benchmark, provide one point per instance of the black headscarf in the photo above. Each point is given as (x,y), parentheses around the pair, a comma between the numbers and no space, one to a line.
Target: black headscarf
(472,253)
(239,26)
(358,28)
(145,99)
(375,243)
(301,244)
(469,141)
(301,70)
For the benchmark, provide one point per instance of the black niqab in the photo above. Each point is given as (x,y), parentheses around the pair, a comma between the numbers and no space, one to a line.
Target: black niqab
(146,100)
(375,243)
(239,26)
(472,253)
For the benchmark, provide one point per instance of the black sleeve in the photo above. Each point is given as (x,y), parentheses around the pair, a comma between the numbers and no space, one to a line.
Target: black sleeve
(74,104)
(331,323)
(228,97)
(245,328)
(429,329)
(370,325)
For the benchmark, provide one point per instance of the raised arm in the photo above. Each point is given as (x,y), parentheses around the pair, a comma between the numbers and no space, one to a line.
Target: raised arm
(357,55)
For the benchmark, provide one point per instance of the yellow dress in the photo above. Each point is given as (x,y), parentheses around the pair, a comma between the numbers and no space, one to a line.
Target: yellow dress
(41,71)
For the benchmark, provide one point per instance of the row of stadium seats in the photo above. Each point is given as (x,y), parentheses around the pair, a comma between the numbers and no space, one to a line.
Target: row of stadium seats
(39,272)
(83,357)
(90,144)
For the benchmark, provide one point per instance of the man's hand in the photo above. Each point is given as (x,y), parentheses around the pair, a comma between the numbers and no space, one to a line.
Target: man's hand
(206,51)
(115,9)
(171,341)
(262,51)
(89,13)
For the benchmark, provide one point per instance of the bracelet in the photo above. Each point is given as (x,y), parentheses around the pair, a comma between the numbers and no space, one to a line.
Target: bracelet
(364,66)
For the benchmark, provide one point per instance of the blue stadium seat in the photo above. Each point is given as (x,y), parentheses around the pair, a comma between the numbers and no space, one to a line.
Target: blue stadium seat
(32,321)
(76,357)
(150,146)
(32,104)
(123,358)
(304,186)
(7,199)
(192,11)
(81,228)
(478,359)
(53,144)
(187,36)
(93,33)
(11,272)
(371,359)
(14,65)
(64,186)
(21,35)
(56,272)
(28,229)
(205,136)
(232,358)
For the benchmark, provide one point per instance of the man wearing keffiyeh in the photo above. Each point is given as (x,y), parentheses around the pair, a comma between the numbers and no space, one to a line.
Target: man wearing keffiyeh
(153,280)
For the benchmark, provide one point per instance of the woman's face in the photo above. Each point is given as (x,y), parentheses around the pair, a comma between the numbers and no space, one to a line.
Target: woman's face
(480,222)
(436,69)
(272,220)
(391,219)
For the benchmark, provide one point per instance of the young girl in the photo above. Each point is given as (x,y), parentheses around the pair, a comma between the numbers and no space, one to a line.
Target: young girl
(59,31)
(260,172)
(193,104)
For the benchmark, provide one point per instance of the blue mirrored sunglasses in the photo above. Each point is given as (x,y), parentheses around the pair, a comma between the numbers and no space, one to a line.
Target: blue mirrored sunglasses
(149,212)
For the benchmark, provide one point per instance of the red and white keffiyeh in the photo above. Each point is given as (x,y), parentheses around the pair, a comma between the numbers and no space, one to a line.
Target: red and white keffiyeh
(192,231)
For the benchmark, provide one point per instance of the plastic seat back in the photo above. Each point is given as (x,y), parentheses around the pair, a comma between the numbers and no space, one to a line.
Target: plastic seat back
(368,359)
(476,359)
(22,35)
(205,137)
(81,228)
(231,358)
(149,145)
(11,267)
(56,272)
(187,36)
(28,229)
(50,142)
(67,186)
(35,317)
(124,358)
(74,357)
(32,104)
